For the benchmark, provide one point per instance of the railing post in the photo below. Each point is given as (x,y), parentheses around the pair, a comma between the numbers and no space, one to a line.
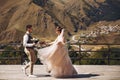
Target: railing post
(109,52)
(21,56)
(79,52)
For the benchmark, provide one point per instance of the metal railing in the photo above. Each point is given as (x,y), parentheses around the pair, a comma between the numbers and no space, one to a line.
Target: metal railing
(109,51)
(79,52)
(11,56)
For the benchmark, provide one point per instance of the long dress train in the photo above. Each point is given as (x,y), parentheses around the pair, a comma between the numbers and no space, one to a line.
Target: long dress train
(57,59)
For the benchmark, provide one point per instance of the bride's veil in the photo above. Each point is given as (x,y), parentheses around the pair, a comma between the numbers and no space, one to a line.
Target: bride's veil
(62,33)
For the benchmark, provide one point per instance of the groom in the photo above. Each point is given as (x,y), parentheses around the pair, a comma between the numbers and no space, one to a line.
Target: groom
(29,50)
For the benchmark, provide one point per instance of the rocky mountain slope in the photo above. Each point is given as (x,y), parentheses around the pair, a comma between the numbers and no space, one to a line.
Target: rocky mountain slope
(73,15)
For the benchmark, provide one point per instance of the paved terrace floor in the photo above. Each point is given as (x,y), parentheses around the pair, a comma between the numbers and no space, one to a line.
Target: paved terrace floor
(86,72)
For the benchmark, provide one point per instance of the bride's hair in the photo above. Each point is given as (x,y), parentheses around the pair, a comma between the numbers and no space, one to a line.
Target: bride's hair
(58,28)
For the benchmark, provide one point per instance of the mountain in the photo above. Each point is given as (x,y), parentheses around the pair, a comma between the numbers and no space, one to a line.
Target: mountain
(73,15)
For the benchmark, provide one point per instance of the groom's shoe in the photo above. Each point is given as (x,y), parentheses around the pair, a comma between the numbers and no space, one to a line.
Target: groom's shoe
(32,76)
(48,71)
(24,70)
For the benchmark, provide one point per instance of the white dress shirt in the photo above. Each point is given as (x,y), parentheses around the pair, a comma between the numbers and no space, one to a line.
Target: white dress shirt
(25,40)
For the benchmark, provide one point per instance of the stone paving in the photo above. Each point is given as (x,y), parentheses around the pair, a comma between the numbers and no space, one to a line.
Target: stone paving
(86,72)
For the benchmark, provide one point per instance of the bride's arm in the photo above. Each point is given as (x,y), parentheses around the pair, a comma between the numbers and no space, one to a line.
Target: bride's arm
(53,41)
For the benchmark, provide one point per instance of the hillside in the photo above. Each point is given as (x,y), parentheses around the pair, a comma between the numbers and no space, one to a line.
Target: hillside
(73,15)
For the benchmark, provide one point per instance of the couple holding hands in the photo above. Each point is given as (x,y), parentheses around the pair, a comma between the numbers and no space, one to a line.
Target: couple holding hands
(55,56)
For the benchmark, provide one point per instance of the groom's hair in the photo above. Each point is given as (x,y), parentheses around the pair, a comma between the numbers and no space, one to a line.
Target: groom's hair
(28,27)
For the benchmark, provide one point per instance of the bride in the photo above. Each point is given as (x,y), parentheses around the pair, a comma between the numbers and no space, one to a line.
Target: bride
(56,57)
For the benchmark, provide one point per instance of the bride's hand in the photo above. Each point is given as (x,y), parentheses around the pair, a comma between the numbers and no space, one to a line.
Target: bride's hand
(43,42)
(47,44)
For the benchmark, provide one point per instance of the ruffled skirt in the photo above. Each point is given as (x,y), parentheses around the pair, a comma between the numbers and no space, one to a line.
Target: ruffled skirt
(57,60)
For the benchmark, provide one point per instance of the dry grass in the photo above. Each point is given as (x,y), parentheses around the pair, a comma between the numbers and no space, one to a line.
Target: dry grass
(16,14)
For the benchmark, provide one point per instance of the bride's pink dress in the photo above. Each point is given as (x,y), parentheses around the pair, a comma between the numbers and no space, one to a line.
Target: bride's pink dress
(57,59)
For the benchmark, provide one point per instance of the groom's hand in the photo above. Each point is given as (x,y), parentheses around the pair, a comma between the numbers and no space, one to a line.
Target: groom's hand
(36,41)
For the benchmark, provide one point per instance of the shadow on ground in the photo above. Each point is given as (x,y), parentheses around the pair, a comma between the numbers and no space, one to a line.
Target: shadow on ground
(74,76)
(41,75)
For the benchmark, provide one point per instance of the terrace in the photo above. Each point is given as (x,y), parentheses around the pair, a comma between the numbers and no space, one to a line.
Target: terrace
(85,72)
